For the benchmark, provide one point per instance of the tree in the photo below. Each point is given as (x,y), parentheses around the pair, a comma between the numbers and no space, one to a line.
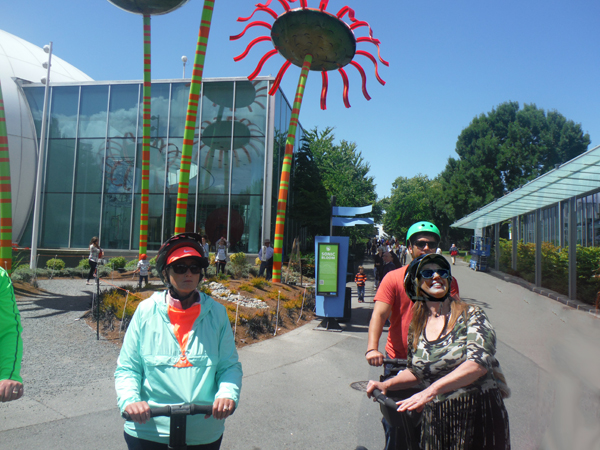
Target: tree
(501,151)
(345,174)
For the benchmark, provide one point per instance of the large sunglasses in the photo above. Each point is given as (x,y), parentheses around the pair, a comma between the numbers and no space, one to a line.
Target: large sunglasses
(180,269)
(429,273)
(422,244)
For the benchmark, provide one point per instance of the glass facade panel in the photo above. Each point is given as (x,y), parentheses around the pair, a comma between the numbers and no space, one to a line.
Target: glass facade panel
(118,190)
(92,113)
(35,99)
(63,112)
(123,110)
(56,217)
(59,168)
(93,174)
(86,219)
(159,104)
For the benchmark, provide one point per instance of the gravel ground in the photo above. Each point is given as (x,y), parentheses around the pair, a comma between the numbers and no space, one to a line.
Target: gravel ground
(60,350)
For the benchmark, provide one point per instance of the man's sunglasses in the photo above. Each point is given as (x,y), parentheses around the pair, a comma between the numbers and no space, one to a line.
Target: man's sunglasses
(428,273)
(422,244)
(180,269)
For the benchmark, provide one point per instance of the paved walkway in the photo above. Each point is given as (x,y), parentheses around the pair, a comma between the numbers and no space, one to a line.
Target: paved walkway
(297,394)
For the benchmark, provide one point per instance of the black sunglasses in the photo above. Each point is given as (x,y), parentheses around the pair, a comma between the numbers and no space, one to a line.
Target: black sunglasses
(180,269)
(422,244)
(428,273)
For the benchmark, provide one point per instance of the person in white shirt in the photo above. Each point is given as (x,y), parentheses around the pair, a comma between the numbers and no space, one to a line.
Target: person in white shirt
(265,255)
(142,268)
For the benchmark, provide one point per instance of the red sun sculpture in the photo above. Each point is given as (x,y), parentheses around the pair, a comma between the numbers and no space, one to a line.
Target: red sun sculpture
(312,39)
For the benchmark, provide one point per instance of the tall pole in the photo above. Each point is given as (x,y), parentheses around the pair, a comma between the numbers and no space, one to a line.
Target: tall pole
(184,60)
(146,114)
(190,117)
(41,151)
(284,183)
(5,195)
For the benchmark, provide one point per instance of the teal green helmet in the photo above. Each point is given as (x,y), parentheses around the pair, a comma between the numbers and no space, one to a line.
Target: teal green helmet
(423,227)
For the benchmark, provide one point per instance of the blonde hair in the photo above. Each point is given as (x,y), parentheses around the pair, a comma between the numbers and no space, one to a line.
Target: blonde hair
(421,313)
(361,267)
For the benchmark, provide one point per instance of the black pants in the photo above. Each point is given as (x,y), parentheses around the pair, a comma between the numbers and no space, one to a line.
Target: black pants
(134,443)
(93,265)
(221,266)
(142,277)
(268,266)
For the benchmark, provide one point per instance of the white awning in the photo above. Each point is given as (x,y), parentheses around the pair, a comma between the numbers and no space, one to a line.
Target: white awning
(576,177)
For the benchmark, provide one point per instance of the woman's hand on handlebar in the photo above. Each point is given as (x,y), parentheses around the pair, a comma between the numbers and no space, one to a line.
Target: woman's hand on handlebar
(374,358)
(222,408)
(372,385)
(139,411)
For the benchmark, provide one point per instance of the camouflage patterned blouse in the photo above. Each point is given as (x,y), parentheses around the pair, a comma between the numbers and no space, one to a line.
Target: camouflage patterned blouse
(474,341)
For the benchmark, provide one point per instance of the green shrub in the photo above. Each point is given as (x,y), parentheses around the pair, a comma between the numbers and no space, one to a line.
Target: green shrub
(84,264)
(555,267)
(118,262)
(55,264)
(239,264)
(24,275)
(152,262)
(131,265)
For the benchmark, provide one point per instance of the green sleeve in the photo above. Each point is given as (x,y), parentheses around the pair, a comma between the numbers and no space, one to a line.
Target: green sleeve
(11,342)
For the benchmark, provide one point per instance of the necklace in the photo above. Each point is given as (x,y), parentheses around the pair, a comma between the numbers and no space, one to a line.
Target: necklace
(438,313)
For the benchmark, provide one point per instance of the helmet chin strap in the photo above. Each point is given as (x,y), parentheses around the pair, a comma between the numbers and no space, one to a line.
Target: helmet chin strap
(176,295)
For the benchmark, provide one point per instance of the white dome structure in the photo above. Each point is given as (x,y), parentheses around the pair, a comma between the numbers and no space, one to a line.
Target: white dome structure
(21,60)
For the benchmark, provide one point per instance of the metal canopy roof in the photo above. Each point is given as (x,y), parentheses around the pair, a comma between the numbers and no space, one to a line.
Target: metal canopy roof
(573,178)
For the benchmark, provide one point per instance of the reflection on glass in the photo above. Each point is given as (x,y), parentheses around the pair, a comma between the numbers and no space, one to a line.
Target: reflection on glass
(159,104)
(59,166)
(89,167)
(57,211)
(86,219)
(63,112)
(35,99)
(123,110)
(92,113)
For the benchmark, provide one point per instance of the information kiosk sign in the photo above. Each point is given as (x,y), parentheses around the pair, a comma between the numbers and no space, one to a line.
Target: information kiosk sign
(328,267)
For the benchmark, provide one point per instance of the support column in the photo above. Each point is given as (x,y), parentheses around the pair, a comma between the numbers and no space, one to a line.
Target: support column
(497,245)
(572,230)
(515,241)
(538,247)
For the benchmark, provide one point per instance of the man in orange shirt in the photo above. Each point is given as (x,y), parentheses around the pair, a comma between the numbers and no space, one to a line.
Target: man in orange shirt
(392,302)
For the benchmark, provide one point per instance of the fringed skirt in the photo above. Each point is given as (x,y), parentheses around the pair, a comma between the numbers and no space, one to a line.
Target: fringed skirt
(476,421)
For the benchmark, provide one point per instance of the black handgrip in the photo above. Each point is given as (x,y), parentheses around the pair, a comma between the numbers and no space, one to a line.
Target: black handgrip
(396,362)
(171,410)
(384,400)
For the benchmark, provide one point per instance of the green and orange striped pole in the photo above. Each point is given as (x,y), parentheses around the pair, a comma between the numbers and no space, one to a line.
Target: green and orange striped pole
(5,195)
(190,118)
(146,114)
(286,168)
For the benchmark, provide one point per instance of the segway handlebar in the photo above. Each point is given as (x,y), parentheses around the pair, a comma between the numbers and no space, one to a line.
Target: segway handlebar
(176,410)
(384,400)
(401,363)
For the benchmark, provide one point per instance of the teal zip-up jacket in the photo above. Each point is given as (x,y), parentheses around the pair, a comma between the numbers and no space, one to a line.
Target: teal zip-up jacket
(146,372)
(11,341)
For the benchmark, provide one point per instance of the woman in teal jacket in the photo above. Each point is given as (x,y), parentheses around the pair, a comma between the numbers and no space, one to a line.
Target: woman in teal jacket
(179,348)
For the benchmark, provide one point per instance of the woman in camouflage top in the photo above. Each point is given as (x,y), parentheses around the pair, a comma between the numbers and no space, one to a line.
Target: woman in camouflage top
(451,348)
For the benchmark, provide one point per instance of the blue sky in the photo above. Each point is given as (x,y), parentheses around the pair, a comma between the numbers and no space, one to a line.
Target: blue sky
(449,62)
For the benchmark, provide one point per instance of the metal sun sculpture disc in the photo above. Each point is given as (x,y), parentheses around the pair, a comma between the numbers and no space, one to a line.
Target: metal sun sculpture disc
(148,7)
(316,40)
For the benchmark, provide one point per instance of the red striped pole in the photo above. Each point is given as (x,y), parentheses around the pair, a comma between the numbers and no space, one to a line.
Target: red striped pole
(190,118)
(5,195)
(146,113)
(284,183)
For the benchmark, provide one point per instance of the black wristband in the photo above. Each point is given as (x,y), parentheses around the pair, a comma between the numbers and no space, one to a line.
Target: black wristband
(372,350)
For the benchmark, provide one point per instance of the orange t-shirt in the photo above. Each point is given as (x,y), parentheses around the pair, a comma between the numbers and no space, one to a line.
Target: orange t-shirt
(391,291)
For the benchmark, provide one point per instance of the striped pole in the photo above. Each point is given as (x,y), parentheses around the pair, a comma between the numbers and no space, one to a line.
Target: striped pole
(190,118)
(146,114)
(5,196)
(284,184)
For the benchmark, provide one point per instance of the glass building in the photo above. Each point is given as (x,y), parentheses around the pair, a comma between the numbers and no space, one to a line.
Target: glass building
(92,168)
